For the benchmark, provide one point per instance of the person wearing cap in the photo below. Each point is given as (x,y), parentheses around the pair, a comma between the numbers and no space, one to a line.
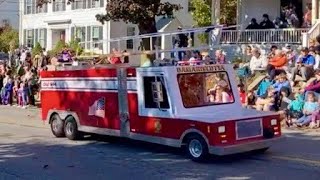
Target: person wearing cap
(258,61)
(304,65)
(253,24)
(266,23)
(180,41)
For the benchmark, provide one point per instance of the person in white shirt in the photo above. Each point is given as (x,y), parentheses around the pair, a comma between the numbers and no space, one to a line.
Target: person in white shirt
(23,56)
(258,61)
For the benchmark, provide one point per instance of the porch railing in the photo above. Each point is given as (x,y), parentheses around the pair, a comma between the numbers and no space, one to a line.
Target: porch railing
(275,36)
(311,34)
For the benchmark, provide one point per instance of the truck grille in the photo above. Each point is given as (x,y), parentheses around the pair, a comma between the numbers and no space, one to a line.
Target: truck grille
(249,129)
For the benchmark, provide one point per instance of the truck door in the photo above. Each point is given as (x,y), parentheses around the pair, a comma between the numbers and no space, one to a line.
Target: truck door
(154,103)
(123,102)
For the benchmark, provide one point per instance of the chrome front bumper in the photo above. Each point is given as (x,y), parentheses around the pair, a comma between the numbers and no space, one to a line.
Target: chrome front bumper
(241,148)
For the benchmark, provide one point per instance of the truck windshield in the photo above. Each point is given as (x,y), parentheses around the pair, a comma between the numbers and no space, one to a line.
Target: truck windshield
(205,89)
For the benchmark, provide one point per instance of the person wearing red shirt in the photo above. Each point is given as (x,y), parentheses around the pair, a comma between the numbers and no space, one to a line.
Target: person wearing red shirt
(276,64)
(116,57)
(242,93)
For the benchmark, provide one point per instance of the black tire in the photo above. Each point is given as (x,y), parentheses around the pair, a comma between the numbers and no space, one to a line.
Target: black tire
(71,129)
(197,148)
(57,126)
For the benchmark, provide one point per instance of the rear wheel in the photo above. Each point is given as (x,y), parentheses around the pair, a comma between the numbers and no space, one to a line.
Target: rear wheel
(71,128)
(197,148)
(57,126)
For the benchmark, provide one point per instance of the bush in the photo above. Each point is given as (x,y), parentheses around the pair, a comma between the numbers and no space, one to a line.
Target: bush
(9,39)
(75,47)
(58,48)
(36,50)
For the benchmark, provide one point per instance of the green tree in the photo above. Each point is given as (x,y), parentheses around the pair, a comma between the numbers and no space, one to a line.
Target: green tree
(228,13)
(36,50)
(75,46)
(201,14)
(9,39)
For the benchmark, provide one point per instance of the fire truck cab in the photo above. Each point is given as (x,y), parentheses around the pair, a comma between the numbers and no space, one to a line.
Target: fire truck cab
(194,107)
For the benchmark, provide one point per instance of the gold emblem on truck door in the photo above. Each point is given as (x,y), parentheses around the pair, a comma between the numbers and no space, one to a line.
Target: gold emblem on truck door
(157,126)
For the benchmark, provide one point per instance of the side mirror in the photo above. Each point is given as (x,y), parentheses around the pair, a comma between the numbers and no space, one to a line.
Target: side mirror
(157,92)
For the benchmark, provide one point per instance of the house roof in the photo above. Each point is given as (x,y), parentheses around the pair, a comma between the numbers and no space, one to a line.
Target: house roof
(162,22)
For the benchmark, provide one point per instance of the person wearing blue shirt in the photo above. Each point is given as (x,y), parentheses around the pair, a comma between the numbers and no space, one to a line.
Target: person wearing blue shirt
(304,65)
(310,106)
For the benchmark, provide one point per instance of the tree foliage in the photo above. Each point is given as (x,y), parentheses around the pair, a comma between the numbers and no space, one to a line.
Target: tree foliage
(228,13)
(9,39)
(36,50)
(201,14)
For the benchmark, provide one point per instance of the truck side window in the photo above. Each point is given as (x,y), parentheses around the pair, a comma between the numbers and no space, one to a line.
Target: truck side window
(155,93)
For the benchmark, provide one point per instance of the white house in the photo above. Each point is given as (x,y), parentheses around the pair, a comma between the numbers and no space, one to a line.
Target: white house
(9,13)
(60,21)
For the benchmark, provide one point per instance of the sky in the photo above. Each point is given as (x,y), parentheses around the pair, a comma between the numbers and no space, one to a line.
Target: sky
(9,9)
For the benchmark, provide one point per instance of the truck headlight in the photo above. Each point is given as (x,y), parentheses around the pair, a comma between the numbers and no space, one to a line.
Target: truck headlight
(221,129)
(274,122)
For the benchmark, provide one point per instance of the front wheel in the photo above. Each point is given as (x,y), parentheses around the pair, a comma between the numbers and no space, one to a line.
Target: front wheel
(57,126)
(71,128)
(197,148)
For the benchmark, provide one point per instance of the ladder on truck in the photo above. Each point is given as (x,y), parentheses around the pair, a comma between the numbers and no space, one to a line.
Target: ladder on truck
(161,42)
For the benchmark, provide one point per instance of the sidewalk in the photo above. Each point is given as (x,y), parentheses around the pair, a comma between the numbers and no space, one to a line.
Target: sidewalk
(23,117)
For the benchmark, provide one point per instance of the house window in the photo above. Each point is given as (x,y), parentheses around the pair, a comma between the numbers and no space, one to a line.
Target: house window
(59,5)
(30,38)
(131,31)
(28,7)
(95,3)
(80,34)
(42,37)
(155,93)
(79,4)
(97,36)
(42,9)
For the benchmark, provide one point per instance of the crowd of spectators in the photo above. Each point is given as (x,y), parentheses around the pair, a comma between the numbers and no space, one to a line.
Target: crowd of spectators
(281,90)
(287,19)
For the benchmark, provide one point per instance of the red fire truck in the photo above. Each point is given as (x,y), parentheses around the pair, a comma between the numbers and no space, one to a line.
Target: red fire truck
(194,107)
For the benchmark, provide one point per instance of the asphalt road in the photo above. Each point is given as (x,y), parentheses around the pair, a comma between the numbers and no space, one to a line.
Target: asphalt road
(33,153)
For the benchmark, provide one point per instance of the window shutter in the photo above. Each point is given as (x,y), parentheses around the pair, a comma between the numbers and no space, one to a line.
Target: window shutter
(100,32)
(53,6)
(88,37)
(36,36)
(32,32)
(45,38)
(89,3)
(83,34)
(45,8)
(73,5)
(73,37)
(84,4)
(24,37)
(63,5)
(102,3)
(33,7)
(25,7)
